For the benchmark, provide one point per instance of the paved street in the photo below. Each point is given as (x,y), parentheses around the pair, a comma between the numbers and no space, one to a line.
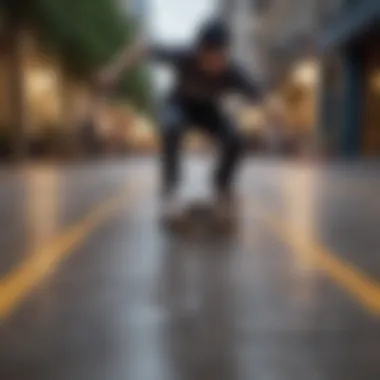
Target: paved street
(92,288)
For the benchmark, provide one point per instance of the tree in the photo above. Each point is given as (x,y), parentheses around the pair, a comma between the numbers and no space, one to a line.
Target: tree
(83,33)
(87,33)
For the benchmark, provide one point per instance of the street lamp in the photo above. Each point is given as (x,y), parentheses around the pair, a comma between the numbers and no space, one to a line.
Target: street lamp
(306,74)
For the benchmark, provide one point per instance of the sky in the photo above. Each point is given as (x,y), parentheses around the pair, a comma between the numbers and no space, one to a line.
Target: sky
(176,20)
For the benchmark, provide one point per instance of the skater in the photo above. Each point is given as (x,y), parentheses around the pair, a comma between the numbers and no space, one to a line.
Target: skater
(204,75)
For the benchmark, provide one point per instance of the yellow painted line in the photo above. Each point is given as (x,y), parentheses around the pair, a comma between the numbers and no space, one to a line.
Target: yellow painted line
(15,286)
(363,288)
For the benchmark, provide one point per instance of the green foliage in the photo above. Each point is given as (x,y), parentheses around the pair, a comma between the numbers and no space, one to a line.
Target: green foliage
(86,34)
(136,85)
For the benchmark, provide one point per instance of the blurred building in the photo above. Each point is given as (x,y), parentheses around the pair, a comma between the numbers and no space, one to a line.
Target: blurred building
(276,38)
(60,114)
(269,33)
(284,35)
(51,104)
(322,58)
(350,81)
(239,16)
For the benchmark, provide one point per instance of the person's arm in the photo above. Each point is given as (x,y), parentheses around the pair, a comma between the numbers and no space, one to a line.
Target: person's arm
(257,94)
(125,59)
(132,55)
(168,54)
(242,82)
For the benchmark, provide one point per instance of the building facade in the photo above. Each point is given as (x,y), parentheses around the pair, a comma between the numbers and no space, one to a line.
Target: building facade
(239,15)
(48,103)
(322,56)
(284,36)
(350,80)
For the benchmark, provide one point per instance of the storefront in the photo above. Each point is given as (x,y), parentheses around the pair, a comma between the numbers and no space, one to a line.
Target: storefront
(49,106)
(350,83)
(299,93)
(371,112)
(350,100)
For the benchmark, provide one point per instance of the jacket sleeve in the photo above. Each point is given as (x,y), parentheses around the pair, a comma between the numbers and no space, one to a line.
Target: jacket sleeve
(167,55)
(242,82)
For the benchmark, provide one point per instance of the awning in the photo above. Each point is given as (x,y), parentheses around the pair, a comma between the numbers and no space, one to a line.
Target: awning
(356,21)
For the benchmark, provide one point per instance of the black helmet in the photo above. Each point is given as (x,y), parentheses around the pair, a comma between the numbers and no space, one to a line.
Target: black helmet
(214,35)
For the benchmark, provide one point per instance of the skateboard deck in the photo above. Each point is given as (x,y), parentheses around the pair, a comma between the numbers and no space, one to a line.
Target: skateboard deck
(200,217)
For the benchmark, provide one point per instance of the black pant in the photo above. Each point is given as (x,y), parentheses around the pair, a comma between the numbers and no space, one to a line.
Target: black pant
(175,121)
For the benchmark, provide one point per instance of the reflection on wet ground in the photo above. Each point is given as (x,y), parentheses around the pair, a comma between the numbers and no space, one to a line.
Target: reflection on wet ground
(291,294)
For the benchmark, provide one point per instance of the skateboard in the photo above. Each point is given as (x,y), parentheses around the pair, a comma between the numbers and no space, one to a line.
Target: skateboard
(200,217)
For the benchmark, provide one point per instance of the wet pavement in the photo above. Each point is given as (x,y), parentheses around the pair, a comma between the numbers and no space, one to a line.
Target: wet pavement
(93,288)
